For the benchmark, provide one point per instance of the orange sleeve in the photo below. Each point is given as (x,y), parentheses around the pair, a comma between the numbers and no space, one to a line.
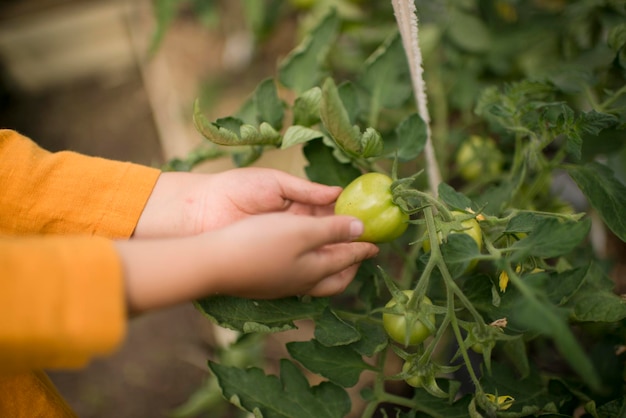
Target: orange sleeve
(62,301)
(65,192)
(61,281)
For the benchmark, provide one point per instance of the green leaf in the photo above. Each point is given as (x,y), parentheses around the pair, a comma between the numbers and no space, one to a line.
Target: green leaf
(515,350)
(468,32)
(605,193)
(607,142)
(349,98)
(371,143)
(495,198)
(302,69)
(341,364)
(437,407)
(332,331)
(589,124)
(598,307)
(560,287)
(295,135)
(617,38)
(524,222)
(551,238)
(233,132)
(285,397)
(529,393)
(324,168)
(269,107)
(546,319)
(411,134)
(453,198)
(614,409)
(595,300)
(592,123)
(458,251)
(306,108)
(373,339)
(247,315)
(386,76)
(261,16)
(337,121)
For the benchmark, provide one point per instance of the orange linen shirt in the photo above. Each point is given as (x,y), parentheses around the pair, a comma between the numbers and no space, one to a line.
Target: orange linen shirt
(62,296)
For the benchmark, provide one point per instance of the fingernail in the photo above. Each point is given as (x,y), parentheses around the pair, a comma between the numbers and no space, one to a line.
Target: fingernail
(356,229)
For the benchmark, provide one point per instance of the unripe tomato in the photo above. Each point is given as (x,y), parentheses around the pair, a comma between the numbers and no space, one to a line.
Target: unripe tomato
(395,324)
(369,198)
(415,380)
(478,157)
(471,228)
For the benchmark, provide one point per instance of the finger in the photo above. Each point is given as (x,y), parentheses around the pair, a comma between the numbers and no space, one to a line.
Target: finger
(325,230)
(335,284)
(333,259)
(312,210)
(304,191)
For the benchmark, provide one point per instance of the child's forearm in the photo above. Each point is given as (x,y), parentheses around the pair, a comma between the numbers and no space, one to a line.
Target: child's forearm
(162,272)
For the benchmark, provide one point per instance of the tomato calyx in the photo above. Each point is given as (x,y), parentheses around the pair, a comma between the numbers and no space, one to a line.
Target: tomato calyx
(404,195)
(424,375)
(482,338)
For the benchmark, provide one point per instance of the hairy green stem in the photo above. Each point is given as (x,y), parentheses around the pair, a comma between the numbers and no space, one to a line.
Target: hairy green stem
(459,338)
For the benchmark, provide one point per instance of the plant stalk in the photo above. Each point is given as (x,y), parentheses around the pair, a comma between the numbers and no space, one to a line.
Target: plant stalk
(406,17)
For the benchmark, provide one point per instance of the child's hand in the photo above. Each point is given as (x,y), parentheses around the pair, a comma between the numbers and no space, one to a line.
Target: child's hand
(268,256)
(188,203)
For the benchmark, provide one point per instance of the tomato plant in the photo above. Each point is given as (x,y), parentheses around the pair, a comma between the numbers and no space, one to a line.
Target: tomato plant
(369,198)
(545,81)
(398,325)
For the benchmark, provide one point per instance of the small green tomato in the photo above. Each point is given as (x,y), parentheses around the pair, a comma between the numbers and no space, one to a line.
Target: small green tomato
(471,228)
(395,324)
(479,157)
(415,380)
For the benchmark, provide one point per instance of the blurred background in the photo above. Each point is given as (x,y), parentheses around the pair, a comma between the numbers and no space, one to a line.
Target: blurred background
(118,79)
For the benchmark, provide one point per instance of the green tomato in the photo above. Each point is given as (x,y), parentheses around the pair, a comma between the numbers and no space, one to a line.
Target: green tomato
(478,157)
(415,380)
(395,324)
(477,348)
(369,198)
(471,228)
